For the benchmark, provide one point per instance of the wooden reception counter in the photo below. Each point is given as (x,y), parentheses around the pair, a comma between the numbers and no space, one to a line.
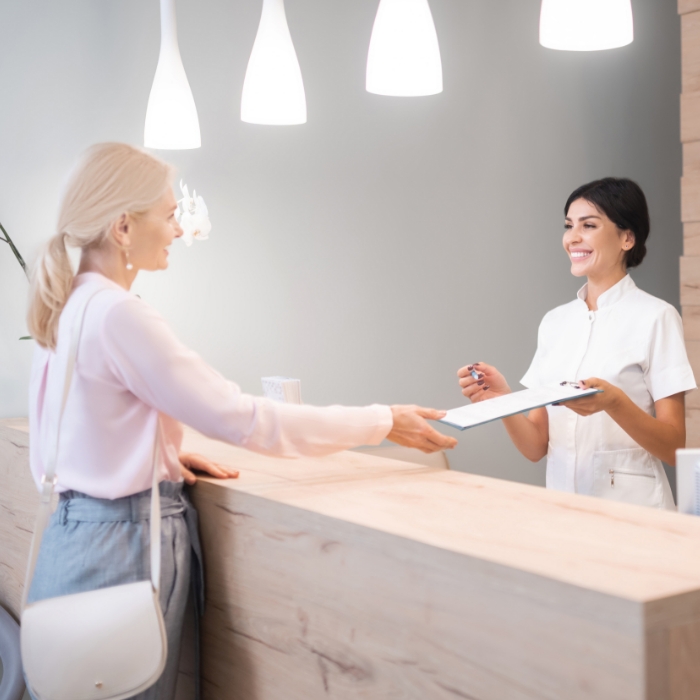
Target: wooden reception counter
(358,577)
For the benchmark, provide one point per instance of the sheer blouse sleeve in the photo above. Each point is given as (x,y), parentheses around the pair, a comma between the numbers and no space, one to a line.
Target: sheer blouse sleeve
(157,368)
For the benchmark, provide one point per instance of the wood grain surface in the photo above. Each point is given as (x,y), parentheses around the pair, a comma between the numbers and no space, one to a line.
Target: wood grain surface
(470,514)
(690,52)
(305,606)
(355,576)
(691,238)
(691,323)
(690,280)
(690,199)
(19,502)
(690,301)
(685,6)
(691,159)
(690,117)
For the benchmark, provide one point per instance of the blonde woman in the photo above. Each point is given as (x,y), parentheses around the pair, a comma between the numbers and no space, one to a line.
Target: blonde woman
(133,375)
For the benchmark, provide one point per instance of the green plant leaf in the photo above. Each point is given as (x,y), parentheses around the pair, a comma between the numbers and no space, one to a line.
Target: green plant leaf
(20,259)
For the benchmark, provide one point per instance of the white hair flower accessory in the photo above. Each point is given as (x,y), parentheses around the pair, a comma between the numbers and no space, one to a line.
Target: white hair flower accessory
(193,216)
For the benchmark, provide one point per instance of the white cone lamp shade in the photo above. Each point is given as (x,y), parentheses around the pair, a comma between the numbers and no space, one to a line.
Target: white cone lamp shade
(273,89)
(171,116)
(404,55)
(586,25)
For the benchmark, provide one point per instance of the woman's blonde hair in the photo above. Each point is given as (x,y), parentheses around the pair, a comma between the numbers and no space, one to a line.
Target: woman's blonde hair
(111,179)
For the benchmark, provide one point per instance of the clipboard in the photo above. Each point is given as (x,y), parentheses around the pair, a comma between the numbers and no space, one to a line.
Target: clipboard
(482,412)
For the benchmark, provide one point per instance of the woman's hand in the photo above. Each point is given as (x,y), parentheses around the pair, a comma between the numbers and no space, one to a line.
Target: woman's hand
(661,434)
(189,463)
(529,433)
(411,429)
(489,384)
(588,405)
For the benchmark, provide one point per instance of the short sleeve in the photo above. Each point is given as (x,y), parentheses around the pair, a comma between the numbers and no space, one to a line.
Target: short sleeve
(668,371)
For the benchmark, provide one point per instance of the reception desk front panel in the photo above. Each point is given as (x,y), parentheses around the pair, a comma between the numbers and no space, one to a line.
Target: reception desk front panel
(358,577)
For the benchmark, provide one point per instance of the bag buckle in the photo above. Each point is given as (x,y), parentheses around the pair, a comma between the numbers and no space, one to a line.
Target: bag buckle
(47,487)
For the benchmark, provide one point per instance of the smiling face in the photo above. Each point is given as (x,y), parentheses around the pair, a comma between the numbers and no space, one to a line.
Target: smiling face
(150,234)
(596,246)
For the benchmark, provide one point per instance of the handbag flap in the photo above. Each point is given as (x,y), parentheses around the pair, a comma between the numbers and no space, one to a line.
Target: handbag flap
(106,644)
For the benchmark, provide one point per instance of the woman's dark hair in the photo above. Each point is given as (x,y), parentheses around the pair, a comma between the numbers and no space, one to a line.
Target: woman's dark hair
(624,203)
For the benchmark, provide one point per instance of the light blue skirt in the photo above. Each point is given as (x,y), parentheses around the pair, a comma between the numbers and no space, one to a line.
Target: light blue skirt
(93,543)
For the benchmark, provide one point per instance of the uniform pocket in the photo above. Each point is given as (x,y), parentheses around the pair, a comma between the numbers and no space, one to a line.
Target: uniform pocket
(627,476)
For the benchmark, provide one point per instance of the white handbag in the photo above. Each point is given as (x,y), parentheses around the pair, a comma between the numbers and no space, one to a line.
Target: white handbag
(106,644)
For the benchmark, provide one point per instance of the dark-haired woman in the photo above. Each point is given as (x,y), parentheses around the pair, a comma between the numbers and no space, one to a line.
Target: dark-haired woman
(615,337)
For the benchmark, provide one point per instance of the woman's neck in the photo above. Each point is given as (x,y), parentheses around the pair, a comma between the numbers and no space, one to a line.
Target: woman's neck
(109,264)
(599,285)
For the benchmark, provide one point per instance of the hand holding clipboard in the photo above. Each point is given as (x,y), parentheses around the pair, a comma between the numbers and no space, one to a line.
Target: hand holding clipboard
(511,404)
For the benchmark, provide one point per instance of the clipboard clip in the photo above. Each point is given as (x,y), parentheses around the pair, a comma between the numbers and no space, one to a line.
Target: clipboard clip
(576,385)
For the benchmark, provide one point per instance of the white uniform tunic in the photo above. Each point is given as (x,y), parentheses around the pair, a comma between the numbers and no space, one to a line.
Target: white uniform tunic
(635,342)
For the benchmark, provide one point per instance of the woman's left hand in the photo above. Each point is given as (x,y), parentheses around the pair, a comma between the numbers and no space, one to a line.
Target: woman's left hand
(189,463)
(588,405)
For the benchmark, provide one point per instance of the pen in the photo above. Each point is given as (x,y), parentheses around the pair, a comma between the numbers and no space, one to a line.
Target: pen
(475,374)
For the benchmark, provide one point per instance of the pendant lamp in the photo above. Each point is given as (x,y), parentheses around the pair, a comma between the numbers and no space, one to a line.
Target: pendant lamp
(171,116)
(586,25)
(273,89)
(404,55)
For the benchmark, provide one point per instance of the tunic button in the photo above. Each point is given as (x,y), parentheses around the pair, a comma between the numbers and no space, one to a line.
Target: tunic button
(591,317)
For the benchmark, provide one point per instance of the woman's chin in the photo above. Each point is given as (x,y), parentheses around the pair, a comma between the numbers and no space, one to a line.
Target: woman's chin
(578,270)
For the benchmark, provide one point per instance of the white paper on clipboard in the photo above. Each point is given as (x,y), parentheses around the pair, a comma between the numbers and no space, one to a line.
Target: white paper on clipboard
(509,405)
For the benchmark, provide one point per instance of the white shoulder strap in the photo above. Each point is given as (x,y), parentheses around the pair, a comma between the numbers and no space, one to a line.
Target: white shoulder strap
(48,481)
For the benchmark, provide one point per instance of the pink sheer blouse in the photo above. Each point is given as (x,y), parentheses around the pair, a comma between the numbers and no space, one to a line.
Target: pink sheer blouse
(131,372)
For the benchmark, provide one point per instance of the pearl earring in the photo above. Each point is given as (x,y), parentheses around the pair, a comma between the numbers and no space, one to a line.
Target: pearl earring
(129,266)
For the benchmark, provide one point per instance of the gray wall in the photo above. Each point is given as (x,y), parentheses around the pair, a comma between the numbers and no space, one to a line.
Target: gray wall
(387,242)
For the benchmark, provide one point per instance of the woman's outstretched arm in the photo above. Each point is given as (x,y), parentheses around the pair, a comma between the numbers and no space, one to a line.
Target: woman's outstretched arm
(155,366)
